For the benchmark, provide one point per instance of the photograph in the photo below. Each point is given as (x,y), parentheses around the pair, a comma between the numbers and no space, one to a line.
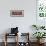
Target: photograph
(17,13)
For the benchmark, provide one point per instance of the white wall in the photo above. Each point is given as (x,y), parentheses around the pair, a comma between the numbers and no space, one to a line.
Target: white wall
(24,23)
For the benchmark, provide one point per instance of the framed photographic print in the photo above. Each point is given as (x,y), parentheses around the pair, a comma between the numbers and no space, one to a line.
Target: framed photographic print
(17,13)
